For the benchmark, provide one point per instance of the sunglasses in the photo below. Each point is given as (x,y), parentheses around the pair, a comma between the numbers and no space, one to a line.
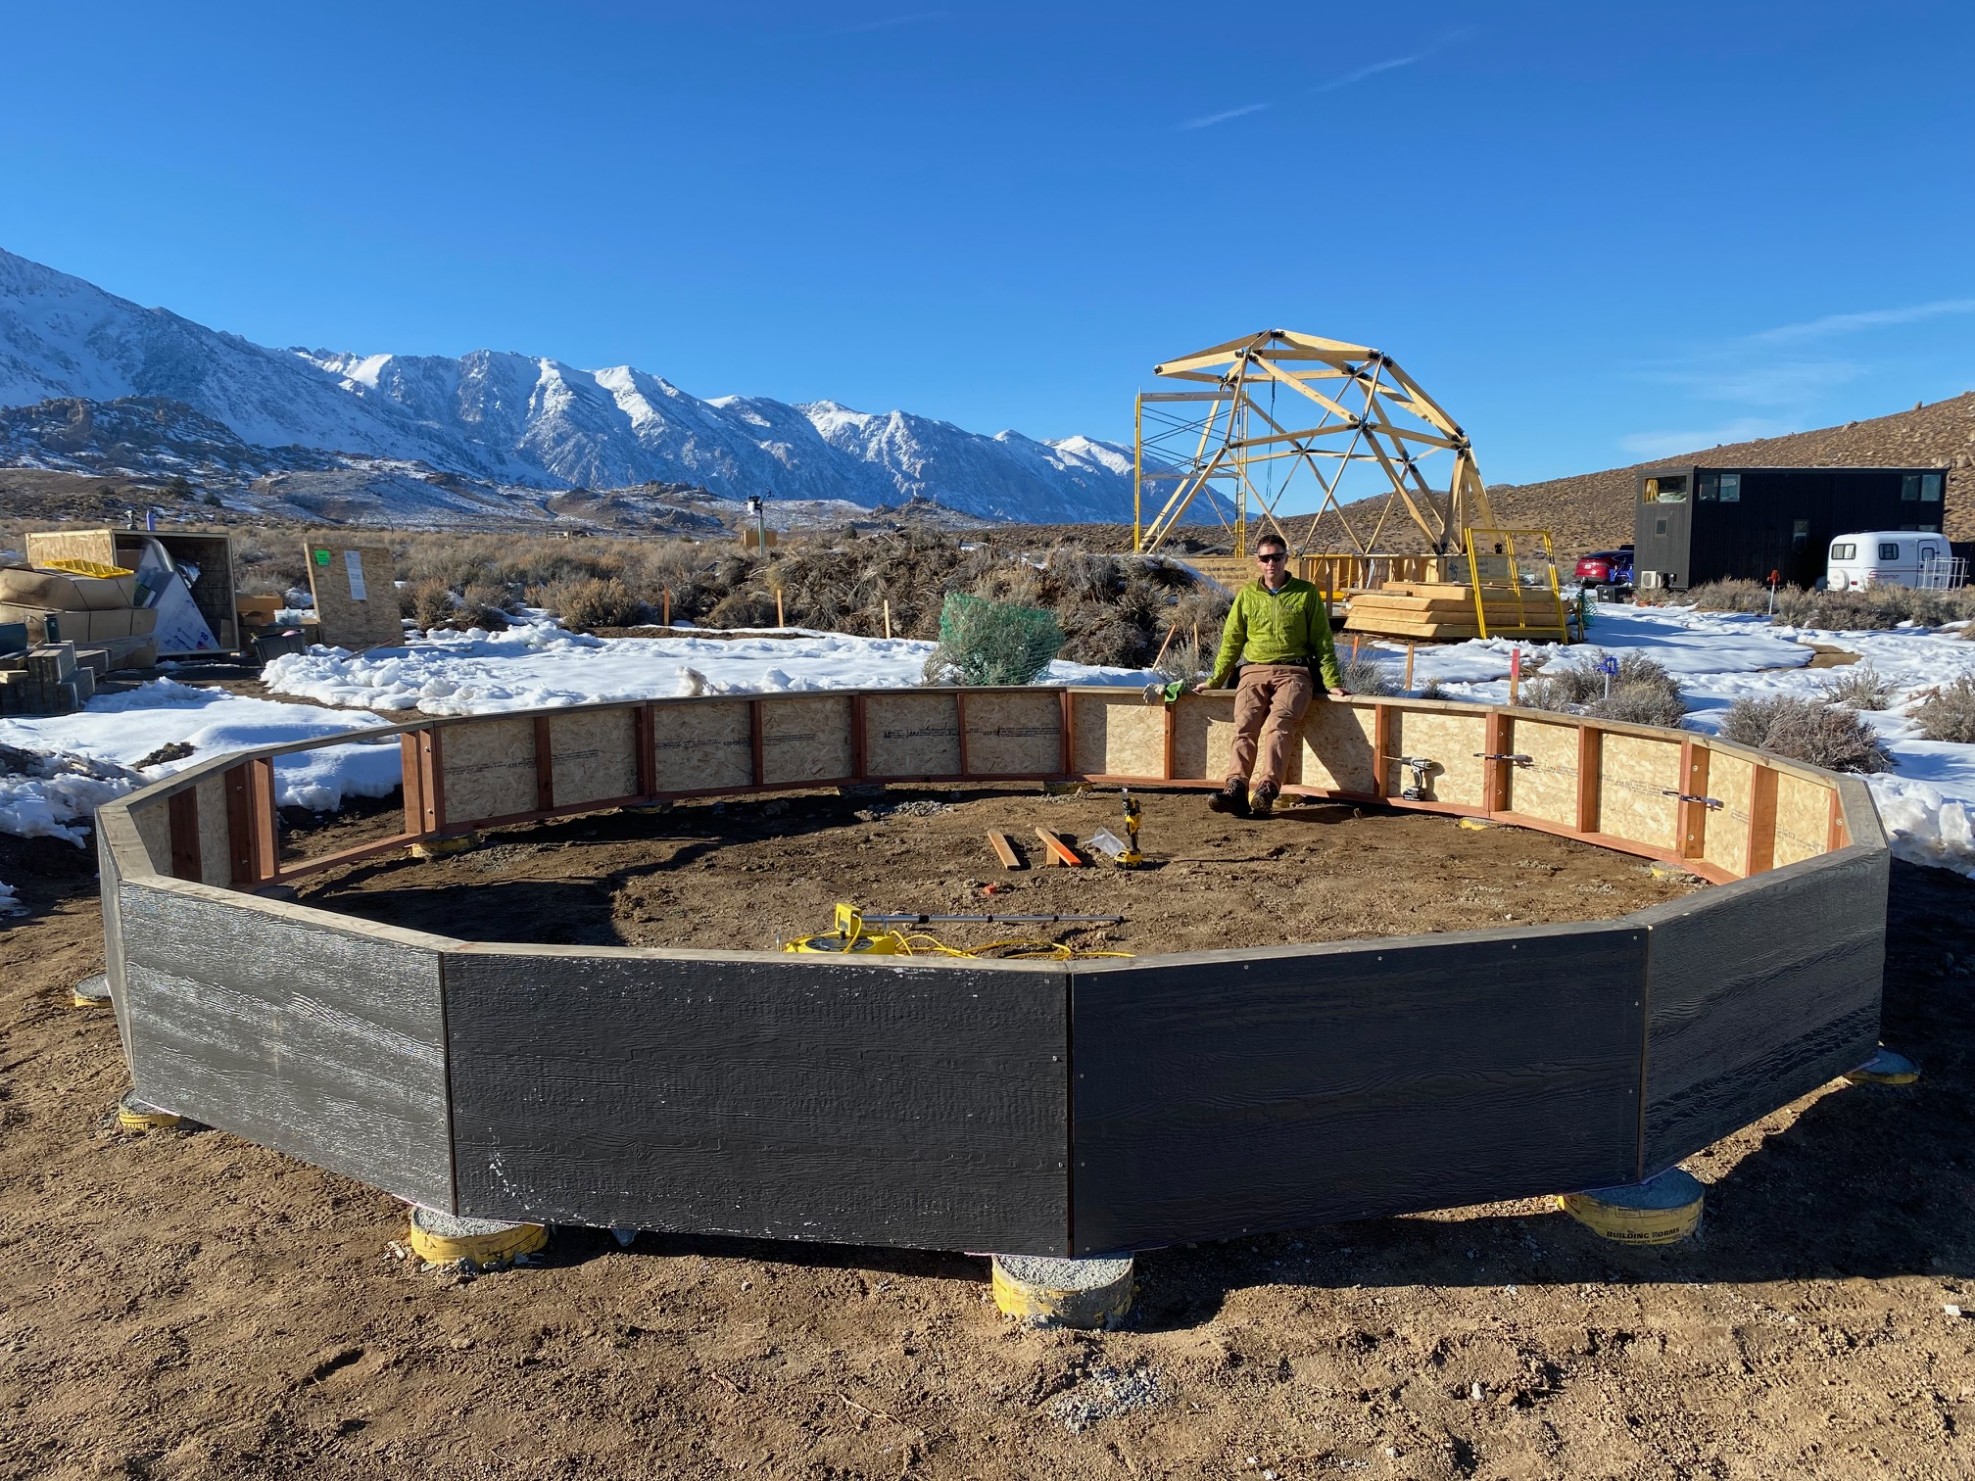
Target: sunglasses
(1280,555)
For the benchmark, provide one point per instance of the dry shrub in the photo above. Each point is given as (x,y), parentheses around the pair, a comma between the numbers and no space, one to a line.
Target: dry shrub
(1874,609)
(1363,676)
(430,604)
(1948,714)
(1730,596)
(1642,691)
(1806,730)
(594,602)
(1861,686)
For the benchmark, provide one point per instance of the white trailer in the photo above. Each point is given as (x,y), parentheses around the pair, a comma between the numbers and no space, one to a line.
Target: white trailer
(1893,558)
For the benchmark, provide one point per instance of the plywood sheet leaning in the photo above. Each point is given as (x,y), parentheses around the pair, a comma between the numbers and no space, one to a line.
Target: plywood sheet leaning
(1203,737)
(1117,735)
(914,1106)
(1337,753)
(595,756)
(1731,782)
(1015,733)
(806,740)
(282,1026)
(1450,740)
(1638,782)
(1761,990)
(1546,788)
(911,735)
(356,600)
(702,746)
(1803,818)
(489,769)
(1351,1081)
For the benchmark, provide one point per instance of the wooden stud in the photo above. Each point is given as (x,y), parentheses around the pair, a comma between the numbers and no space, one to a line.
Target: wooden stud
(1171,719)
(240,826)
(960,726)
(544,765)
(1069,734)
(1057,850)
(859,733)
(265,819)
(1835,833)
(754,740)
(644,729)
(182,814)
(435,779)
(1762,820)
(411,770)
(1694,815)
(1590,757)
(1495,776)
(1004,850)
(1381,752)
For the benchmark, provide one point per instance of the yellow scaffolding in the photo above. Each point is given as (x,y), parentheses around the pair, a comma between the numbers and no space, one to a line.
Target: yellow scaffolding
(1516,592)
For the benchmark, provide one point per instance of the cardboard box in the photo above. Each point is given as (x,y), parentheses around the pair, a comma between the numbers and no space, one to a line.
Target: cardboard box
(258,611)
(80,627)
(62,592)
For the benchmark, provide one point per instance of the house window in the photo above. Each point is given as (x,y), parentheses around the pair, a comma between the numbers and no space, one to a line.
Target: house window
(1731,488)
(1667,489)
(1888,552)
(1910,487)
(1799,533)
(1707,488)
(1930,488)
(1659,527)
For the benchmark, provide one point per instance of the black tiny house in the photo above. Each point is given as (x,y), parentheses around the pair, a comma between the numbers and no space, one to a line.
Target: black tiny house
(1710,524)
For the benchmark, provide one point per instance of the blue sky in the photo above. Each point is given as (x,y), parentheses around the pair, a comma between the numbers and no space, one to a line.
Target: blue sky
(1596,232)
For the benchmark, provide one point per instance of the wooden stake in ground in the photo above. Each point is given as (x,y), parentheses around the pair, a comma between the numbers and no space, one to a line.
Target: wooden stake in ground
(1004,850)
(665,593)
(1058,851)
(1171,633)
(1409,668)
(780,620)
(1515,673)
(887,617)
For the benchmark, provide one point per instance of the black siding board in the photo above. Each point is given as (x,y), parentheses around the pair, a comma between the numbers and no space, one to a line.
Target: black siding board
(1761,992)
(1276,1090)
(912,1106)
(321,1043)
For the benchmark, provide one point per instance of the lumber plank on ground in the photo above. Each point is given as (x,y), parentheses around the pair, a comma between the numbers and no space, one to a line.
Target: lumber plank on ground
(1004,850)
(1059,852)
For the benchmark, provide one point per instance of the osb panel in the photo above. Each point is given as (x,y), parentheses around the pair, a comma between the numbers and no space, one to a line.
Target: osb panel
(1203,737)
(1118,735)
(215,848)
(911,735)
(153,823)
(1803,819)
(1336,753)
(1636,779)
(1547,786)
(348,622)
(805,740)
(595,756)
(489,768)
(1014,734)
(99,546)
(702,747)
(1731,782)
(1452,742)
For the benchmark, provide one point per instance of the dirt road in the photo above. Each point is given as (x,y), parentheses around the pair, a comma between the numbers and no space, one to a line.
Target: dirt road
(185,1305)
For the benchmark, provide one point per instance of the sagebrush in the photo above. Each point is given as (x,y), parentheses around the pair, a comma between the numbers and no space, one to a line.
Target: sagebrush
(1948,714)
(1825,735)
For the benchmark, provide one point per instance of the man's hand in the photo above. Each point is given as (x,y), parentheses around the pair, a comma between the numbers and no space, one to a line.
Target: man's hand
(1339,692)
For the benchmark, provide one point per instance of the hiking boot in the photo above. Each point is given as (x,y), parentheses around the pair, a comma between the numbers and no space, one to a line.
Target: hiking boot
(1262,801)
(1231,798)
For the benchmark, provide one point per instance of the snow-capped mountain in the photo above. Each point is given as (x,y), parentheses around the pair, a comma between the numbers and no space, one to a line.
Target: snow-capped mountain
(517,419)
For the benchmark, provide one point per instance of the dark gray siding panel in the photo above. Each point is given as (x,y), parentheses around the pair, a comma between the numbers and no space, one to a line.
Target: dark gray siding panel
(323,1043)
(914,1106)
(1275,1090)
(1760,991)
(109,877)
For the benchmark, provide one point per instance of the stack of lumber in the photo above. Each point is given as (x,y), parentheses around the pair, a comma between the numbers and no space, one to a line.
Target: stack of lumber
(1444,611)
(49,679)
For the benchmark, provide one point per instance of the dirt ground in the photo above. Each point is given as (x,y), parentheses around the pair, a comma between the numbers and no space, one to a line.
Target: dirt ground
(754,874)
(180,1305)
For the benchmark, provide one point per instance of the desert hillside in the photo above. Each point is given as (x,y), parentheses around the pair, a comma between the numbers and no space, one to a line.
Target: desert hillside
(1589,510)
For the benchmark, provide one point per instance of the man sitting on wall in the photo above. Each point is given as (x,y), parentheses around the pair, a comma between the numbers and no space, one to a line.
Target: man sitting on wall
(1277,633)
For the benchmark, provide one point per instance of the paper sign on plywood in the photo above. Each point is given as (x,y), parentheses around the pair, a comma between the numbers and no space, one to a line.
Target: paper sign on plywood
(353,565)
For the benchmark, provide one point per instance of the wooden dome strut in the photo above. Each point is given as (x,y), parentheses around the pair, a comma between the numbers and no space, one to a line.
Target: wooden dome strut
(1373,427)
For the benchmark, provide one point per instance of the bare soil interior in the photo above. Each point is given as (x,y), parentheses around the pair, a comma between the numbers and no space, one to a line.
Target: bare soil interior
(754,874)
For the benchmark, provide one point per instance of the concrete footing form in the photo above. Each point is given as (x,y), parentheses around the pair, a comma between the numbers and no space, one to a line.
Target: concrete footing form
(1063,1109)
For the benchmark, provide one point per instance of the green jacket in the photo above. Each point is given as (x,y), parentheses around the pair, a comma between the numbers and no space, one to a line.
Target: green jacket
(1286,626)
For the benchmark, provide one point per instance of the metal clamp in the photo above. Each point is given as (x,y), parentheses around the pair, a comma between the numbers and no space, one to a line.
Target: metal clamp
(1515,758)
(1712,804)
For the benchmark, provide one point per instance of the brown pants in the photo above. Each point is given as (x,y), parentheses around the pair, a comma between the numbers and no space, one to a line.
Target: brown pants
(1269,702)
